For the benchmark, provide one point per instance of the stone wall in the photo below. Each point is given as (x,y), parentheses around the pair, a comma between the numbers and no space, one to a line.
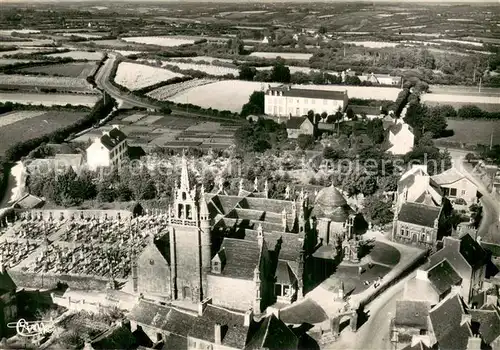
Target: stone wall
(49,281)
(232,293)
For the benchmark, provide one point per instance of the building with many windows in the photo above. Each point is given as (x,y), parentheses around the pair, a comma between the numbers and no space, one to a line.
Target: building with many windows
(287,101)
(108,150)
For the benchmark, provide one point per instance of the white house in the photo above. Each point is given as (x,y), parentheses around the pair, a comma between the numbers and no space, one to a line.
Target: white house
(287,101)
(108,150)
(381,79)
(401,137)
(416,186)
(455,185)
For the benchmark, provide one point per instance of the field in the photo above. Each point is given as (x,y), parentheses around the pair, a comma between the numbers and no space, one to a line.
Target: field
(20,31)
(175,131)
(203,59)
(13,81)
(159,40)
(488,103)
(31,42)
(472,132)
(284,55)
(20,51)
(165,92)
(50,99)
(13,117)
(112,43)
(35,126)
(8,61)
(73,70)
(126,52)
(212,70)
(80,55)
(372,44)
(228,95)
(135,76)
(83,35)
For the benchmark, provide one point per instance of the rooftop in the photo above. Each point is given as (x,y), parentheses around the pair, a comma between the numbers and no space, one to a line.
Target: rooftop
(443,277)
(310,93)
(411,314)
(448,177)
(242,257)
(418,214)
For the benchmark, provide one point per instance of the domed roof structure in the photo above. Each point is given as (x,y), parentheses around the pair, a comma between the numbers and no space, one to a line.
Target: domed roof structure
(331,204)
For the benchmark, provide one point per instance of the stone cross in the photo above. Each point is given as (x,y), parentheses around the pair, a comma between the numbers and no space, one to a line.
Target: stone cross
(256,184)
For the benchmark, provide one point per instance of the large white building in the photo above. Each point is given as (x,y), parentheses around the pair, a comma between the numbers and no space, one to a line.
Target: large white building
(401,137)
(108,150)
(287,101)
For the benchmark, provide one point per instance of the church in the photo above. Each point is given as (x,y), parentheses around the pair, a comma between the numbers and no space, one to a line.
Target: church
(244,251)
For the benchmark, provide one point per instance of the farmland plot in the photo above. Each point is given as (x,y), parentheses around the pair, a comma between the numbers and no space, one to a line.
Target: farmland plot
(135,76)
(9,61)
(284,55)
(80,55)
(473,131)
(165,92)
(167,41)
(228,95)
(30,128)
(74,70)
(203,58)
(13,117)
(372,44)
(459,100)
(20,31)
(363,92)
(60,83)
(29,43)
(212,70)
(50,99)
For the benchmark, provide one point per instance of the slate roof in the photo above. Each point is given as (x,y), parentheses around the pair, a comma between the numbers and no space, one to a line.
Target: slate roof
(111,139)
(417,346)
(290,244)
(448,177)
(242,257)
(472,251)
(6,283)
(116,338)
(487,323)
(284,273)
(173,341)
(418,214)
(295,122)
(309,93)
(29,201)
(273,334)
(161,317)
(442,276)
(234,332)
(412,314)
(446,318)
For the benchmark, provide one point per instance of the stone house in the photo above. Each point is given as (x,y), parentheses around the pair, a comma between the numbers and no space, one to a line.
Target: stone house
(411,318)
(417,224)
(416,186)
(299,126)
(468,259)
(455,185)
(108,150)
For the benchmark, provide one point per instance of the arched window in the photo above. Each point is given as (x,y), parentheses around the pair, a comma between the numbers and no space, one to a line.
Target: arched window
(183,196)
(189,215)
(180,211)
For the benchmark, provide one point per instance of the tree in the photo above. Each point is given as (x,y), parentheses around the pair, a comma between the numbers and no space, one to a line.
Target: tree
(330,153)
(469,157)
(280,73)
(255,104)
(470,112)
(247,72)
(322,30)
(349,113)
(352,80)
(375,130)
(378,210)
(305,141)
(368,185)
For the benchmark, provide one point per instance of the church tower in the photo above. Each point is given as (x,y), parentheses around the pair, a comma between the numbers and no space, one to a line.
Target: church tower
(189,241)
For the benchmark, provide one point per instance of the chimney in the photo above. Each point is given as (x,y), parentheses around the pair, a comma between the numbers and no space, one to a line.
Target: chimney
(248,318)
(474,343)
(422,275)
(466,318)
(218,333)
(202,305)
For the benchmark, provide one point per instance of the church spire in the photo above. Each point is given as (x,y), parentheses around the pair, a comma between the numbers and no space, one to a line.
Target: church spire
(184,174)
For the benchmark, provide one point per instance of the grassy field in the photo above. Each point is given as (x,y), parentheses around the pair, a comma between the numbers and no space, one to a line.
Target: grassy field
(80,55)
(472,132)
(34,83)
(135,76)
(73,70)
(50,99)
(30,128)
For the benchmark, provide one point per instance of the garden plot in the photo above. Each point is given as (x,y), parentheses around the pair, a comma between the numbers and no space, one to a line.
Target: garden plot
(150,119)
(205,127)
(212,70)
(74,70)
(135,76)
(133,118)
(284,55)
(80,55)
(165,92)
(13,117)
(167,41)
(228,95)
(50,99)
(36,126)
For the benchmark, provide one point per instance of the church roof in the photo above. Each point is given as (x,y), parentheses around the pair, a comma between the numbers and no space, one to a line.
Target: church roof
(241,256)
(418,214)
(331,204)
(330,196)
(273,334)
(284,273)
